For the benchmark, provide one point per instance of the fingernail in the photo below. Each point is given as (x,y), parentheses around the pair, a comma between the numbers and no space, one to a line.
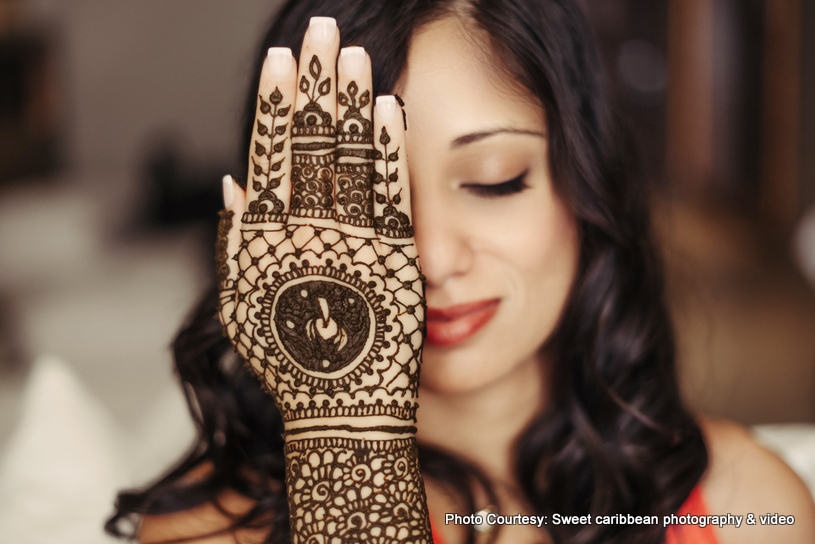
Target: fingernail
(280,61)
(386,107)
(322,30)
(352,60)
(229,191)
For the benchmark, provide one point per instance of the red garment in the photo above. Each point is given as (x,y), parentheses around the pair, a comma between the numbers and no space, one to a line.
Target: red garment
(677,534)
(687,534)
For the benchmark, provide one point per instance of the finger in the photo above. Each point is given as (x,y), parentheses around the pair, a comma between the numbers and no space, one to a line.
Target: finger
(269,186)
(392,218)
(355,151)
(227,247)
(313,133)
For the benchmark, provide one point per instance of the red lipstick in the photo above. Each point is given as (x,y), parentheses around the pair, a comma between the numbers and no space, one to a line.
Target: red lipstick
(455,324)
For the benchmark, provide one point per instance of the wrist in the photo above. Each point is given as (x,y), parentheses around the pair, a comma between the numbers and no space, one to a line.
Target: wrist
(306,405)
(377,427)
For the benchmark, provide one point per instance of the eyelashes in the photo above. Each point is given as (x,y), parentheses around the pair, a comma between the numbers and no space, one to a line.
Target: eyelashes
(506,188)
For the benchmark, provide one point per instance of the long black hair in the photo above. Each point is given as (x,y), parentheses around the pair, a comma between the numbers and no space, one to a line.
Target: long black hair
(615,437)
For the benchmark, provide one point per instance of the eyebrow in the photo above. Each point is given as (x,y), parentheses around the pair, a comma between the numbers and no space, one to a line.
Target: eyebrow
(477,136)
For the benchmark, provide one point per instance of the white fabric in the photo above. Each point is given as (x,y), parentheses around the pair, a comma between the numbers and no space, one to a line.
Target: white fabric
(68,457)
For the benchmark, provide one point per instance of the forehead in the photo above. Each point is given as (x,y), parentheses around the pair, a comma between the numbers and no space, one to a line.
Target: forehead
(454,84)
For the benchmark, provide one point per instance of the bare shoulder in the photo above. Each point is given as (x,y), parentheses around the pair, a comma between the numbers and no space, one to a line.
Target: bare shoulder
(745,478)
(205,524)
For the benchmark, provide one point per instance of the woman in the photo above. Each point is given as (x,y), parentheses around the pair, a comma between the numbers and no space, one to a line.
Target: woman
(548,385)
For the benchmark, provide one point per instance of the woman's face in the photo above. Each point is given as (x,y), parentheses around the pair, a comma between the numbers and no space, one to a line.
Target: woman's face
(498,247)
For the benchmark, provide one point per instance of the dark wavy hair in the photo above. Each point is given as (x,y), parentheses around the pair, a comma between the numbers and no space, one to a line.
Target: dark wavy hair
(615,437)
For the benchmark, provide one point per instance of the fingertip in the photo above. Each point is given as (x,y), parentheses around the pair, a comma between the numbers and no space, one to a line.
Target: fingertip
(352,61)
(322,30)
(234,195)
(386,108)
(228,190)
(280,62)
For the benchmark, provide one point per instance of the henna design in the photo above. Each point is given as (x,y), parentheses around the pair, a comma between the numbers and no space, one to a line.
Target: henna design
(392,223)
(322,324)
(221,253)
(331,322)
(356,491)
(402,105)
(226,286)
(267,206)
(313,144)
(355,155)
(277,265)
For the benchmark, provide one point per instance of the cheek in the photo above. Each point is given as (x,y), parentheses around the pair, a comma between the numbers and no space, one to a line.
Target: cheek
(534,251)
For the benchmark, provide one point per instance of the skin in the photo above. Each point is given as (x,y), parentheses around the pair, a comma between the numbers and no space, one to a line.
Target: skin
(522,249)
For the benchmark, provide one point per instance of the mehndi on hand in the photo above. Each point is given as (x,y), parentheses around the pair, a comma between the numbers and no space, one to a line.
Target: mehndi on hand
(321,291)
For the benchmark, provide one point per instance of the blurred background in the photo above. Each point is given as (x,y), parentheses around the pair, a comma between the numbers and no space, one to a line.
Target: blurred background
(117,120)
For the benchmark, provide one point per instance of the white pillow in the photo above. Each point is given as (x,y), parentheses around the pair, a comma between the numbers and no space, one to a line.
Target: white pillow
(68,457)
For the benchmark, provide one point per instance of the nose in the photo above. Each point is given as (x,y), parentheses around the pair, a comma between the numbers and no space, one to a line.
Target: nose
(442,240)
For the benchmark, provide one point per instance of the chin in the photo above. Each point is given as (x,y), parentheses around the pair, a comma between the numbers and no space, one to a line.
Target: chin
(478,366)
(440,371)
(446,371)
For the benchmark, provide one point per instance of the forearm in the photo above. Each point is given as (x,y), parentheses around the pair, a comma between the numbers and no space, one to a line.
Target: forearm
(366,488)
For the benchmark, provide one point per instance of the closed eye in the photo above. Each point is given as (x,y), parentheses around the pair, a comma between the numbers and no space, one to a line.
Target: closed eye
(506,188)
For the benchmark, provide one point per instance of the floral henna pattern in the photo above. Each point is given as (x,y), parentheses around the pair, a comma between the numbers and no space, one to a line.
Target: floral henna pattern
(355,156)
(267,206)
(313,148)
(392,223)
(356,491)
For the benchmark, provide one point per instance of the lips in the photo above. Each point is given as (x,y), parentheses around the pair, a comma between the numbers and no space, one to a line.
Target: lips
(455,324)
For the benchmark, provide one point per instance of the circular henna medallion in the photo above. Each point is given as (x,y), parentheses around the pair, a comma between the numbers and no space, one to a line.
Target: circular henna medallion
(322,325)
(325,324)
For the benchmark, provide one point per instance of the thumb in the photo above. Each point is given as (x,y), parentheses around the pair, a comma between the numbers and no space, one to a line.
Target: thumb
(226,251)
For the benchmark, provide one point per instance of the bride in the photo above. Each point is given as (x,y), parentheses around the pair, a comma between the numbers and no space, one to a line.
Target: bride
(443,296)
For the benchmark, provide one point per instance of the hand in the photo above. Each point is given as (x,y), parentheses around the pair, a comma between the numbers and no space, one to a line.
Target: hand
(322,294)
(321,290)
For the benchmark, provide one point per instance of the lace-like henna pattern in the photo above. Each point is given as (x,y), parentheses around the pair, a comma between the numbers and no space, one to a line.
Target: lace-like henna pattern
(355,156)
(313,147)
(355,491)
(392,223)
(267,206)
(297,327)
